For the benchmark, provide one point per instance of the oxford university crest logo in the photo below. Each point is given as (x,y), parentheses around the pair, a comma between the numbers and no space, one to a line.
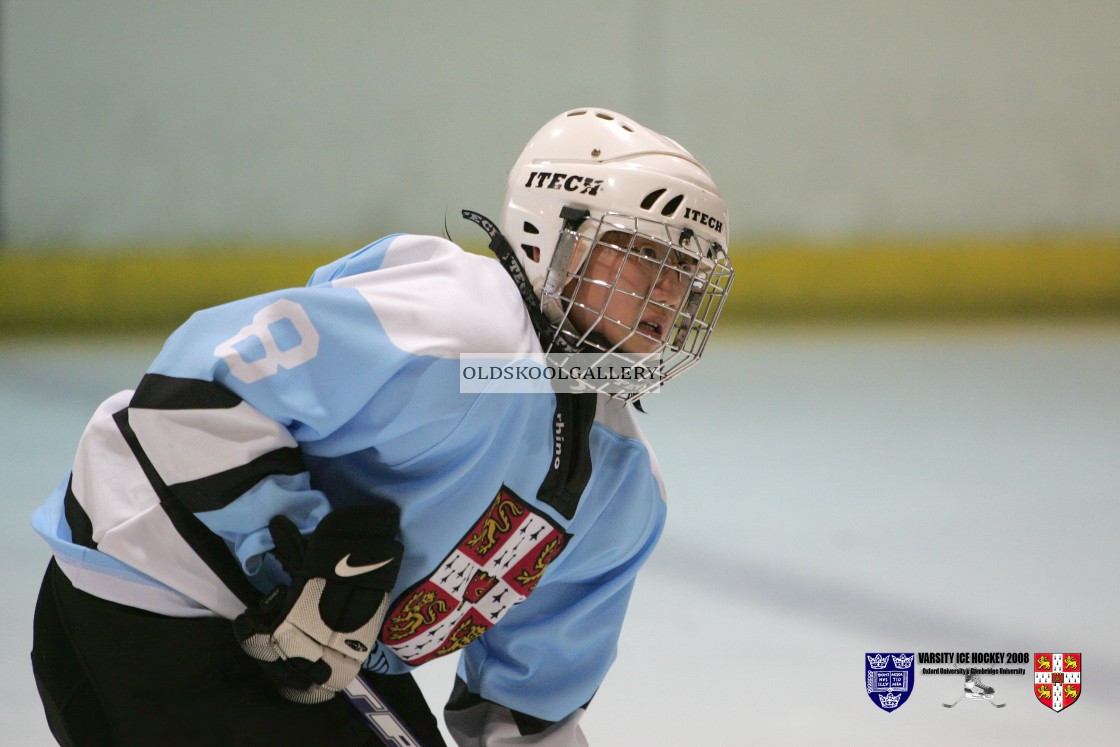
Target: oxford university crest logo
(890,679)
(1057,680)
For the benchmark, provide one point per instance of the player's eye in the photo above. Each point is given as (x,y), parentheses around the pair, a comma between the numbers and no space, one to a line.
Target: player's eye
(683,262)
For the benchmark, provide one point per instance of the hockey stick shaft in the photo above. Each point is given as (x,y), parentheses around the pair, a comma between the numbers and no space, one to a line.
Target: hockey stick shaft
(378,715)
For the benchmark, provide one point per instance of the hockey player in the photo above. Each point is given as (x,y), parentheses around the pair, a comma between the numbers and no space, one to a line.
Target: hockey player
(308,465)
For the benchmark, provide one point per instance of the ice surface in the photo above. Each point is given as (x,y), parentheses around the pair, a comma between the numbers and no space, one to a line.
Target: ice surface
(832,492)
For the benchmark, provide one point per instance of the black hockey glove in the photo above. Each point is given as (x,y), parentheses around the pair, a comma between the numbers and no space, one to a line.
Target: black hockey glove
(311,638)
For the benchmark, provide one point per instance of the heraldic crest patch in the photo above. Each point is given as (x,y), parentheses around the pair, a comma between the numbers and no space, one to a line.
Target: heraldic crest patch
(890,679)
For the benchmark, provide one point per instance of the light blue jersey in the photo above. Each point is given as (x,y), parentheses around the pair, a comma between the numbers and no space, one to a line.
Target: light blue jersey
(347,392)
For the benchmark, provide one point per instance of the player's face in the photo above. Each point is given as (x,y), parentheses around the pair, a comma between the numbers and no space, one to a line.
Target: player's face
(611,301)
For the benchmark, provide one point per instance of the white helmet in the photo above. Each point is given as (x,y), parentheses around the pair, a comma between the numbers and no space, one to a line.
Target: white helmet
(593,192)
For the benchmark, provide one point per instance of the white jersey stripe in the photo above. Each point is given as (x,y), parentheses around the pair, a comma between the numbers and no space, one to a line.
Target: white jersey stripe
(180,567)
(186,445)
(108,482)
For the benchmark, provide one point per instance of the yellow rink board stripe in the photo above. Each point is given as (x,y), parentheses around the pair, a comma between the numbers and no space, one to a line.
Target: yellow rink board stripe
(878,279)
(930,279)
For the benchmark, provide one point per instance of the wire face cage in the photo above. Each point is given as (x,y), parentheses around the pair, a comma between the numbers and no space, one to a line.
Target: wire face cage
(637,292)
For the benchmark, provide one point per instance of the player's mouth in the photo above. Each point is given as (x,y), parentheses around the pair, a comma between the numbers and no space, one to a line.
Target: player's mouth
(654,328)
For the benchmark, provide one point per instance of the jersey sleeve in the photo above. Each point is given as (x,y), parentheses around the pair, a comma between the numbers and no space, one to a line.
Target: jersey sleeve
(181,481)
(212,444)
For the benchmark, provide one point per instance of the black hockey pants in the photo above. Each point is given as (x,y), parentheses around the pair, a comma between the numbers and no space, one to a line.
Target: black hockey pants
(109,674)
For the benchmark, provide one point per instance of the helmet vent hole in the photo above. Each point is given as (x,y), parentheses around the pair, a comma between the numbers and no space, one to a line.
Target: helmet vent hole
(607,117)
(577,113)
(532,252)
(530,228)
(628,128)
(672,205)
(651,198)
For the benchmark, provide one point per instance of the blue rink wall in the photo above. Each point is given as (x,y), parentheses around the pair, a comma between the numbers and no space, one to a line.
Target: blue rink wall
(833,491)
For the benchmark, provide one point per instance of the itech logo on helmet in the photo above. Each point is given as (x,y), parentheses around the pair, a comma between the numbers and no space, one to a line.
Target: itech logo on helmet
(585,185)
(704,219)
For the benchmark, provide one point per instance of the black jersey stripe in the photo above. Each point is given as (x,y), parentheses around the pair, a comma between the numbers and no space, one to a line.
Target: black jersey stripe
(81,528)
(209,547)
(219,490)
(159,392)
(570,470)
(200,412)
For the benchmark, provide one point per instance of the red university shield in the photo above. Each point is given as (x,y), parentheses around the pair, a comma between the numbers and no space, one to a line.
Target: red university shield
(1057,680)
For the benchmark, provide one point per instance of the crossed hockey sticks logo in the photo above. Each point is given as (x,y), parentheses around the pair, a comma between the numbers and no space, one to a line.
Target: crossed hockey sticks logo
(974,689)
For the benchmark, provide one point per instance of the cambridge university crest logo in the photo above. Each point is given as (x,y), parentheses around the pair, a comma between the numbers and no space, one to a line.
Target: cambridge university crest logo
(1057,680)
(495,567)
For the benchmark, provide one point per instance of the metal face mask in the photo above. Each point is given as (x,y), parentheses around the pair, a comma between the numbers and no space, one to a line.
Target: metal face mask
(636,292)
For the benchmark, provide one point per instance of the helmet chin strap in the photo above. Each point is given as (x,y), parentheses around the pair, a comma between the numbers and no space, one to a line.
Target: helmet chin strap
(546,330)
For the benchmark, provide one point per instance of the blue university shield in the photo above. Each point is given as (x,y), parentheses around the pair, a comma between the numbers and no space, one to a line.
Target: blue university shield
(890,679)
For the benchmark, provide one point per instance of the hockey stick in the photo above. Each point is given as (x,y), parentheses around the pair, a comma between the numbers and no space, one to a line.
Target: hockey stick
(378,715)
(958,700)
